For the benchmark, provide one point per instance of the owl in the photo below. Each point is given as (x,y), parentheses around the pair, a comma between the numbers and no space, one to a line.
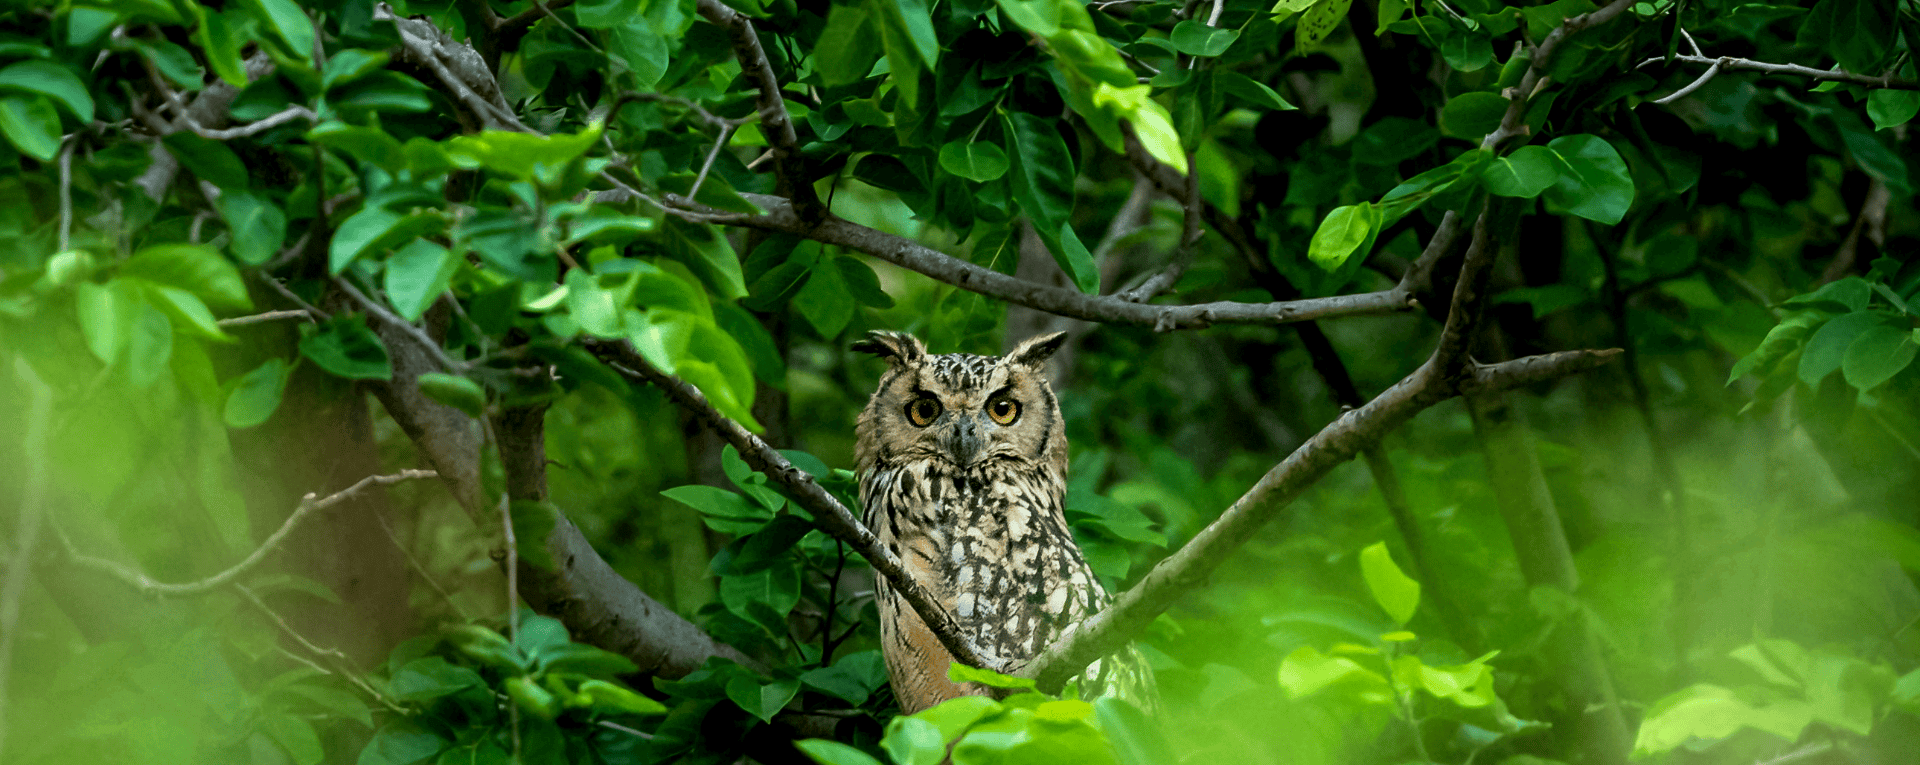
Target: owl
(962,462)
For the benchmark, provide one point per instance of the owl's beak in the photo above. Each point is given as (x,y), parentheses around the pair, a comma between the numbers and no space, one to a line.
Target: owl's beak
(964,440)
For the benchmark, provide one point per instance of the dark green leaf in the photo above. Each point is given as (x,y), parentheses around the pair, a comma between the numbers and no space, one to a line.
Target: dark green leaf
(1251,90)
(53,81)
(290,25)
(975,161)
(825,302)
(401,742)
(772,544)
(207,159)
(1594,182)
(1525,173)
(862,282)
(257,224)
(351,64)
(1827,348)
(762,701)
(1472,115)
(346,348)
(1877,355)
(848,47)
(853,678)
(431,678)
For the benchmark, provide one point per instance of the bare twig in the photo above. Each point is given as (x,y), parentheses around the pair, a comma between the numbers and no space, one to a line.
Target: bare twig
(27,531)
(473,84)
(256,127)
(343,666)
(66,191)
(258,318)
(1729,63)
(281,289)
(833,517)
(308,506)
(1693,86)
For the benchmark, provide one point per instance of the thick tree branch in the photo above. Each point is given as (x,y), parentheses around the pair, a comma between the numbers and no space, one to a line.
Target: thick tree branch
(912,255)
(833,517)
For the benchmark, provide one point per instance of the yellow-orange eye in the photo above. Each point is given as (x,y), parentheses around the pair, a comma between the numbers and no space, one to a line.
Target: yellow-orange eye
(922,411)
(1003,410)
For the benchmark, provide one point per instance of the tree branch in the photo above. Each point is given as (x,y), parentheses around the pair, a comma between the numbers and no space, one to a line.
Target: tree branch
(1514,122)
(775,123)
(1729,63)
(912,255)
(1445,374)
(833,517)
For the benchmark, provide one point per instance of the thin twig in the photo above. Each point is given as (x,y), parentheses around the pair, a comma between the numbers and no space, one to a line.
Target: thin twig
(281,289)
(66,190)
(343,666)
(1693,86)
(260,318)
(256,127)
(1886,81)
(308,506)
(718,143)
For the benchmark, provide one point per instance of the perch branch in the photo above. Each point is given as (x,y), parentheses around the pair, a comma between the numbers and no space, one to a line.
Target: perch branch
(1448,372)
(833,517)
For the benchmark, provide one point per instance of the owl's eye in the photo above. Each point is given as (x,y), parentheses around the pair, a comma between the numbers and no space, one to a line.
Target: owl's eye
(1003,410)
(922,411)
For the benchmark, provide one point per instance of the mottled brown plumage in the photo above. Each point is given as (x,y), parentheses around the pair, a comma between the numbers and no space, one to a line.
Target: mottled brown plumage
(963,464)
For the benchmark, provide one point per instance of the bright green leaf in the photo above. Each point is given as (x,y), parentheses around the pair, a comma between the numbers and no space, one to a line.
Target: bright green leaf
(455,391)
(1341,234)
(30,123)
(257,224)
(1594,182)
(346,348)
(53,81)
(1196,38)
(978,161)
(1877,355)
(418,274)
(828,752)
(257,394)
(1393,590)
(196,268)
(1525,173)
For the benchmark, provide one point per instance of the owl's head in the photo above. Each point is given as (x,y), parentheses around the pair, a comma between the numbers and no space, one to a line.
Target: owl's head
(960,409)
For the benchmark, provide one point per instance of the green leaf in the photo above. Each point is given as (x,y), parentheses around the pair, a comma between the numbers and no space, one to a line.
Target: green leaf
(1827,349)
(708,255)
(776,587)
(1393,590)
(173,62)
(1472,115)
(853,678)
(1341,234)
(825,302)
(847,47)
(912,741)
(606,696)
(418,274)
(207,159)
(53,81)
(1318,22)
(373,228)
(1306,671)
(1043,171)
(257,224)
(346,348)
(149,346)
(1196,38)
(1594,182)
(1892,108)
(827,752)
(350,64)
(30,123)
(455,391)
(1783,339)
(1251,90)
(1525,173)
(642,50)
(401,742)
(1041,17)
(595,308)
(185,309)
(430,678)
(978,161)
(913,21)
(540,633)
(1711,712)
(762,701)
(195,268)
(961,673)
(520,155)
(732,510)
(862,282)
(257,394)
(294,735)
(288,23)
(1857,34)
(366,144)
(772,544)
(715,192)
(107,313)
(1877,355)
(221,36)
(1467,51)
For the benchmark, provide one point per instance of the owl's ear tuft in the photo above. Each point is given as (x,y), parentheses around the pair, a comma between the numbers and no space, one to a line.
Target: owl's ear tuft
(898,348)
(1035,351)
